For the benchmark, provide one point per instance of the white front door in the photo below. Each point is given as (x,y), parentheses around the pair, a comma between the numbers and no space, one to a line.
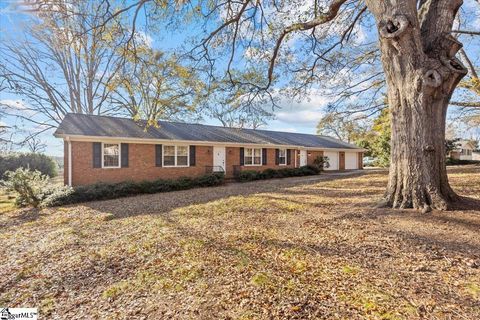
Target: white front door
(219,159)
(303,158)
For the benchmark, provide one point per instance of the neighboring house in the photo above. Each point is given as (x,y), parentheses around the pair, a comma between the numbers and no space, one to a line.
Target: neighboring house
(476,155)
(109,149)
(463,151)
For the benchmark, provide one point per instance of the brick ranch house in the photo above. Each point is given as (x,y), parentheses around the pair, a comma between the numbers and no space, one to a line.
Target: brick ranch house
(109,149)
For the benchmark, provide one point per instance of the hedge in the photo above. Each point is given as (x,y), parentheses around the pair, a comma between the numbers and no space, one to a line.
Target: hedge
(251,175)
(452,162)
(105,191)
(32,161)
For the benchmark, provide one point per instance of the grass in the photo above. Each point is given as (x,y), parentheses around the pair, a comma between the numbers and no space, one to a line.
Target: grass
(291,248)
(7,201)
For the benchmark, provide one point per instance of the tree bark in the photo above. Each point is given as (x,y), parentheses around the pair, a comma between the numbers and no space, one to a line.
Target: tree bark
(418,57)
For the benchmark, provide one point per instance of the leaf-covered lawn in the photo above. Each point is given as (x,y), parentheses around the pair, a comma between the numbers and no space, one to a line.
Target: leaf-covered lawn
(293,248)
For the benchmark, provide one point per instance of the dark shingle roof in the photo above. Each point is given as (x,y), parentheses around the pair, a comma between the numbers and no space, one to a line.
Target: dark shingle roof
(103,126)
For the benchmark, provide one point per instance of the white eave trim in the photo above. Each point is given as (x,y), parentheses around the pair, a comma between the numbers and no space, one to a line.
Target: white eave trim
(194,142)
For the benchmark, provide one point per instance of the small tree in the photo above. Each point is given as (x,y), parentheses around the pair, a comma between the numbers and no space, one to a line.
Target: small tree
(450,145)
(321,162)
(29,186)
(33,188)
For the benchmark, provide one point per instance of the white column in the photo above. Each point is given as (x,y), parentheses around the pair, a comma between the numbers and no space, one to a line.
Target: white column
(69,162)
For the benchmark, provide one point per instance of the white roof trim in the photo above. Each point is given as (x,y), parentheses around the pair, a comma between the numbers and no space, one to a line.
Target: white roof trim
(199,143)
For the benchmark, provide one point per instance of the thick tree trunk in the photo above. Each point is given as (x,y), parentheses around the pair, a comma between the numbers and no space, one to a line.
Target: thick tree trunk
(421,73)
(418,177)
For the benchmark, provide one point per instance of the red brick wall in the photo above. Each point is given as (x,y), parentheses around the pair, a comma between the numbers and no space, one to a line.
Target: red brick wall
(141,165)
(360,160)
(341,160)
(312,155)
(233,159)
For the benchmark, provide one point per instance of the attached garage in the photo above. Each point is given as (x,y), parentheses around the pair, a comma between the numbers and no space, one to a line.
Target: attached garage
(332,160)
(351,160)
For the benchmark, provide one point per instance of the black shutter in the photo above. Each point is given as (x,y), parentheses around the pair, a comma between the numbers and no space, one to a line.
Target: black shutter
(277,157)
(124,150)
(97,154)
(289,156)
(264,156)
(192,156)
(158,155)
(242,156)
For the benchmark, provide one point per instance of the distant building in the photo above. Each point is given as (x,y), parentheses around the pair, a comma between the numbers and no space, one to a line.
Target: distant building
(463,151)
(476,155)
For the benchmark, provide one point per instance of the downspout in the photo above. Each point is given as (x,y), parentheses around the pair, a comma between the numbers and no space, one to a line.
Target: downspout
(295,157)
(69,172)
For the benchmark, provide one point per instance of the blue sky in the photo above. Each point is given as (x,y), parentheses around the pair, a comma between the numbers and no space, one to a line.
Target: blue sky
(293,116)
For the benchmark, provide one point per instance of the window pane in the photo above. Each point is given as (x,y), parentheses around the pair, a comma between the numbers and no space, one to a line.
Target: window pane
(110,161)
(282,160)
(182,151)
(248,152)
(111,155)
(248,160)
(258,152)
(281,153)
(169,160)
(110,149)
(182,161)
(256,160)
(169,150)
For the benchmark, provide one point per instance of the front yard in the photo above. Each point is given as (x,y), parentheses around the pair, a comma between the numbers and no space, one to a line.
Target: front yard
(294,248)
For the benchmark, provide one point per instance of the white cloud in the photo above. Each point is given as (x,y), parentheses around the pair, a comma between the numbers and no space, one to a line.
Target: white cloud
(16,105)
(289,130)
(304,113)
(145,38)
(300,117)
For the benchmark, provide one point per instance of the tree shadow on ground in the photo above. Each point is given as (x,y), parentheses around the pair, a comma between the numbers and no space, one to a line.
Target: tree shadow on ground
(20,217)
(466,203)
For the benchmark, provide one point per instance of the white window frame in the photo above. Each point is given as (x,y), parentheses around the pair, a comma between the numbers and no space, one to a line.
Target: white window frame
(119,155)
(176,155)
(280,161)
(252,157)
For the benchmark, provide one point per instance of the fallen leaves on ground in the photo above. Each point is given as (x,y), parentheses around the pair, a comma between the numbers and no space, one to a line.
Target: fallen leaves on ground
(278,249)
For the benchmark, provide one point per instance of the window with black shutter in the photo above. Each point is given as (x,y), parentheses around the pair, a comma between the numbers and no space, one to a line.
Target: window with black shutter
(158,155)
(124,151)
(192,156)
(97,154)
(242,156)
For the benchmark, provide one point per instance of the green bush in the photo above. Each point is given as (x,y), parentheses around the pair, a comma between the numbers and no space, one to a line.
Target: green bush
(33,188)
(248,175)
(105,191)
(251,175)
(33,161)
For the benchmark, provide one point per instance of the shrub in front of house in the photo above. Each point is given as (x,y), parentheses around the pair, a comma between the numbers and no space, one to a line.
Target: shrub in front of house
(32,161)
(458,162)
(251,175)
(33,188)
(105,191)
